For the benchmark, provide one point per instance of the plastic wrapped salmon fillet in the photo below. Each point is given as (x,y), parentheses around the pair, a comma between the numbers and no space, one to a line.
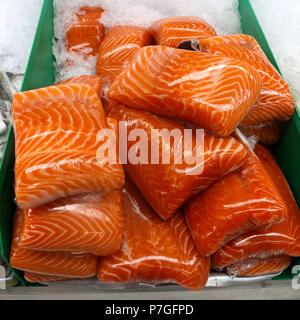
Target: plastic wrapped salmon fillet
(209,91)
(244,200)
(56,132)
(62,264)
(168,185)
(280,238)
(154,251)
(118,47)
(89,223)
(42,278)
(85,35)
(90,80)
(275,101)
(267,133)
(257,266)
(172,31)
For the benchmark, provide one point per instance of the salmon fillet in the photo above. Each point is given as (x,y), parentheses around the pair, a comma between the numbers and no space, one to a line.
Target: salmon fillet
(41,278)
(244,200)
(167,186)
(267,133)
(257,267)
(281,238)
(88,223)
(62,264)
(172,31)
(120,44)
(275,101)
(90,80)
(209,91)
(56,145)
(154,251)
(85,35)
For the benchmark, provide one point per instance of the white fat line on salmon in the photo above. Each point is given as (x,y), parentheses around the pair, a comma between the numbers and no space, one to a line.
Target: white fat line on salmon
(122,310)
(176,147)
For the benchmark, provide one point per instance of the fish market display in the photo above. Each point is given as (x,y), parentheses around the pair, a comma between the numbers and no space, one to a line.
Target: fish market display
(89,223)
(41,278)
(153,250)
(65,264)
(56,150)
(209,91)
(167,187)
(216,215)
(120,44)
(174,30)
(280,238)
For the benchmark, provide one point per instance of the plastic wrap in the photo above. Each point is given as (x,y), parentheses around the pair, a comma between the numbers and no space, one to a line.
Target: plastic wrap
(186,85)
(89,223)
(154,251)
(120,44)
(166,186)
(56,132)
(174,30)
(280,238)
(66,264)
(275,101)
(244,200)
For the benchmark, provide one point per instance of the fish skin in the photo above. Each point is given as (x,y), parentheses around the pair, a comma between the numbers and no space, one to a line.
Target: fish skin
(62,264)
(172,31)
(85,35)
(90,80)
(119,45)
(257,267)
(56,143)
(167,186)
(154,251)
(281,238)
(267,133)
(42,278)
(244,200)
(218,97)
(85,223)
(276,101)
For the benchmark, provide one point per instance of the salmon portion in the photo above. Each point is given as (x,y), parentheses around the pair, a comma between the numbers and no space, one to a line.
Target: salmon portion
(267,133)
(172,31)
(276,101)
(90,80)
(120,44)
(154,251)
(258,267)
(88,223)
(168,184)
(62,264)
(86,34)
(244,200)
(56,145)
(41,278)
(209,91)
(280,238)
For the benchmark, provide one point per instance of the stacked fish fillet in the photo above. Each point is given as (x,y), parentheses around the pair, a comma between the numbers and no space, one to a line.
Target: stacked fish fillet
(80,216)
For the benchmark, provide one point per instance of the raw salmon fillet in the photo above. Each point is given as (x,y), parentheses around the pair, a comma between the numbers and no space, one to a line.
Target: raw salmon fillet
(167,186)
(267,133)
(88,223)
(154,251)
(62,264)
(172,31)
(244,200)
(56,145)
(41,278)
(281,238)
(257,267)
(90,80)
(120,44)
(275,101)
(210,91)
(85,35)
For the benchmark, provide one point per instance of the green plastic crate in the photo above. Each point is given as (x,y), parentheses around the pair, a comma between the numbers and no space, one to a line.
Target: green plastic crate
(40,73)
